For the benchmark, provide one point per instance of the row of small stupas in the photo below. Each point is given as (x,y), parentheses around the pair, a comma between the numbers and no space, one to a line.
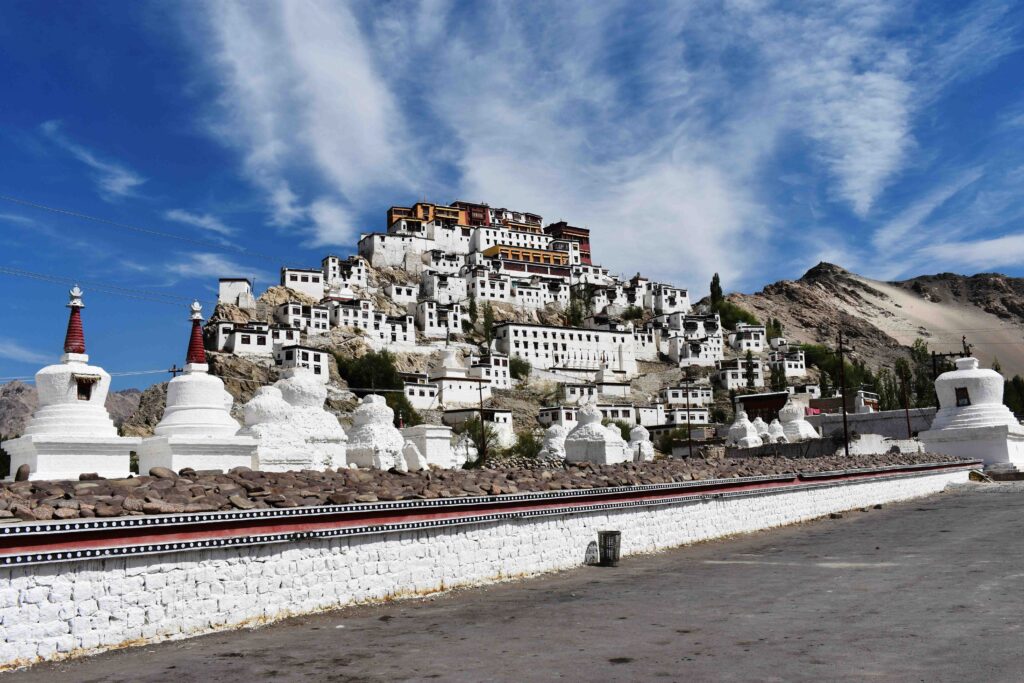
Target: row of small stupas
(286,425)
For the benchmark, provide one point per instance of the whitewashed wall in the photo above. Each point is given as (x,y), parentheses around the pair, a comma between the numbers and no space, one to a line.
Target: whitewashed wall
(69,609)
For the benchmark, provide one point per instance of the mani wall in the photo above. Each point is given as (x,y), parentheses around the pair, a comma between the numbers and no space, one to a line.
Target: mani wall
(75,589)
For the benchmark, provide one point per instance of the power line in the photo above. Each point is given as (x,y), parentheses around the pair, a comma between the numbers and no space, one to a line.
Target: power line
(135,228)
(132,293)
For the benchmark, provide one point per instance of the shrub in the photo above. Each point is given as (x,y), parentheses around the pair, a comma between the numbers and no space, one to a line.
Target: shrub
(732,314)
(375,371)
(527,445)
(665,440)
(519,368)
(484,436)
(624,427)
(633,313)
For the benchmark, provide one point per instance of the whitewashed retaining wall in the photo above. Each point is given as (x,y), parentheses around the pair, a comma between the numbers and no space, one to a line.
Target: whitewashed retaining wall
(68,609)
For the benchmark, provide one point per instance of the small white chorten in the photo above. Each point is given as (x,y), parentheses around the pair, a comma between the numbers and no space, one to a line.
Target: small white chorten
(776,434)
(761,426)
(294,430)
(742,433)
(972,421)
(197,429)
(71,432)
(590,441)
(640,444)
(554,441)
(374,441)
(794,426)
(434,443)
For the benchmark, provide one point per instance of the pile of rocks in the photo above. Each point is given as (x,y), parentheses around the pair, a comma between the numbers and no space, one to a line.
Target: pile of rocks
(163,491)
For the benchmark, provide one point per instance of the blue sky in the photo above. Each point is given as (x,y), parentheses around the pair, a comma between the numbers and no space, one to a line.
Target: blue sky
(749,138)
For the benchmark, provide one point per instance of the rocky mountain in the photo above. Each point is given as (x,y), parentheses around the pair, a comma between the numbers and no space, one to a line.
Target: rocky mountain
(18,400)
(881,319)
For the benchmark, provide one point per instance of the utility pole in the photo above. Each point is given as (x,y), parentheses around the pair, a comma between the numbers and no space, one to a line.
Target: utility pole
(689,429)
(906,405)
(842,388)
(483,425)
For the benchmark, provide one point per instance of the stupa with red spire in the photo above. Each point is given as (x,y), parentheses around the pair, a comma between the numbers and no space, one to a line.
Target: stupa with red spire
(71,432)
(197,429)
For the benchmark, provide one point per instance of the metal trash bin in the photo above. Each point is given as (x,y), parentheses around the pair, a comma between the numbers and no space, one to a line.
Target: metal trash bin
(608,543)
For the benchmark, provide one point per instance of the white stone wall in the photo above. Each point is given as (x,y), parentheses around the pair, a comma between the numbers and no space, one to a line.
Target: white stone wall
(68,609)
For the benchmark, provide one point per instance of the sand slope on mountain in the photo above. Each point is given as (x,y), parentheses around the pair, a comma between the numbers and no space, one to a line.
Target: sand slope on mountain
(881,319)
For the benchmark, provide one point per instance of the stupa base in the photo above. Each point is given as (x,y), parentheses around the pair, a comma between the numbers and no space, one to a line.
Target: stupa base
(993,444)
(61,457)
(176,452)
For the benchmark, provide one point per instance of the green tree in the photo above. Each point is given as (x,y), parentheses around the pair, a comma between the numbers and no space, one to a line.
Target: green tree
(623,427)
(778,377)
(488,322)
(750,369)
(472,309)
(519,368)
(716,292)
(527,445)
(375,371)
(633,313)
(665,441)
(484,436)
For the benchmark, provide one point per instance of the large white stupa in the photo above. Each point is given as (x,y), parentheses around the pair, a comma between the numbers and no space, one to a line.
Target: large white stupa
(590,441)
(197,429)
(71,432)
(972,421)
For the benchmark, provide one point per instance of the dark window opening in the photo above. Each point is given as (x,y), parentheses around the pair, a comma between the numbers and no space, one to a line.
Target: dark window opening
(963,398)
(84,389)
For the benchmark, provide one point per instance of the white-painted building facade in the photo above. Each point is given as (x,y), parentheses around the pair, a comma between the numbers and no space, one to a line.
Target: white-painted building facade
(308,281)
(297,356)
(747,337)
(732,374)
(792,362)
(553,348)
(340,273)
(694,395)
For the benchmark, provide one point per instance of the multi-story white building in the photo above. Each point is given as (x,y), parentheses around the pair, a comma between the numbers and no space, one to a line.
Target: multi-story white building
(748,337)
(566,348)
(792,362)
(308,281)
(296,356)
(340,273)
(379,328)
(421,392)
(492,367)
(443,288)
(401,294)
(663,299)
(563,415)
(440,261)
(678,417)
(695,395)
(732,374)
(498,420)
(436,320)
(566,415)
(236,291)
(456,385)
(312,319)
(486,286)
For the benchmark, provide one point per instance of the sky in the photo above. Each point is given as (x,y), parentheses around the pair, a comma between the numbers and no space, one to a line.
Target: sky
(147,149)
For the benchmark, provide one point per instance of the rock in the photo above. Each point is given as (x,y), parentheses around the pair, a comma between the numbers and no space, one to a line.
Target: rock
(162,473)
(42,512)
(104,510)
(241,502)
(22,473)
(65,513)
(89,476)
(341,498)
(366,498)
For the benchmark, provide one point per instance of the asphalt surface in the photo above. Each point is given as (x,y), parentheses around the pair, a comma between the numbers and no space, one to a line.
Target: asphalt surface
(923,591)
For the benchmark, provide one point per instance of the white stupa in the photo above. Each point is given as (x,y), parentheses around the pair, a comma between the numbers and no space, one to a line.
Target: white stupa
(294,430)
(794,426)
(972,421)
(761,426)
(374,441)
(776,434)
(197,429)
(640,444)
(71,432)
(590,441)
(742,433)
(554,441)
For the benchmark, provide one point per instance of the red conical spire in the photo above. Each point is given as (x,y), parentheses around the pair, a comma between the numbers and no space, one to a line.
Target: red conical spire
(196,349)
(74,340)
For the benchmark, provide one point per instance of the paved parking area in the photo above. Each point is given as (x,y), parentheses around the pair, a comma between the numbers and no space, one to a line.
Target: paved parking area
(923,591)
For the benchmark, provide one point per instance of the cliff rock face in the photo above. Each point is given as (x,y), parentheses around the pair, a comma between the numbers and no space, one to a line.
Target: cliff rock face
(881,319)
(18,401)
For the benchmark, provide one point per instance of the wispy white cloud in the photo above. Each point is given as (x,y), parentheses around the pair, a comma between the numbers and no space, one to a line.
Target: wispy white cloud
(114,180)
(660,127)
(16,219)
(13,350)
(204,221)
(981,254)
(896,236)
(207,265)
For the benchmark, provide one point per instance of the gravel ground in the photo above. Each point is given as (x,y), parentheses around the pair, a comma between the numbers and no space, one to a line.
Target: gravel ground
(167,492)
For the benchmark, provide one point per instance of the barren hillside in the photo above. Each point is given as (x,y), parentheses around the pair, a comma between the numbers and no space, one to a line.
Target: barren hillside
(882,318)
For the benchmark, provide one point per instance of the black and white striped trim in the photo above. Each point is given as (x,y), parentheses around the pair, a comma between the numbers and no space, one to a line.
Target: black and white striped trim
(474,519)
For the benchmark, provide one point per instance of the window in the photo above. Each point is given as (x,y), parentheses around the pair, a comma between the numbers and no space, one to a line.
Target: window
(246,339)
(293,278)
(84,388)
(963,398)
(261,341)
